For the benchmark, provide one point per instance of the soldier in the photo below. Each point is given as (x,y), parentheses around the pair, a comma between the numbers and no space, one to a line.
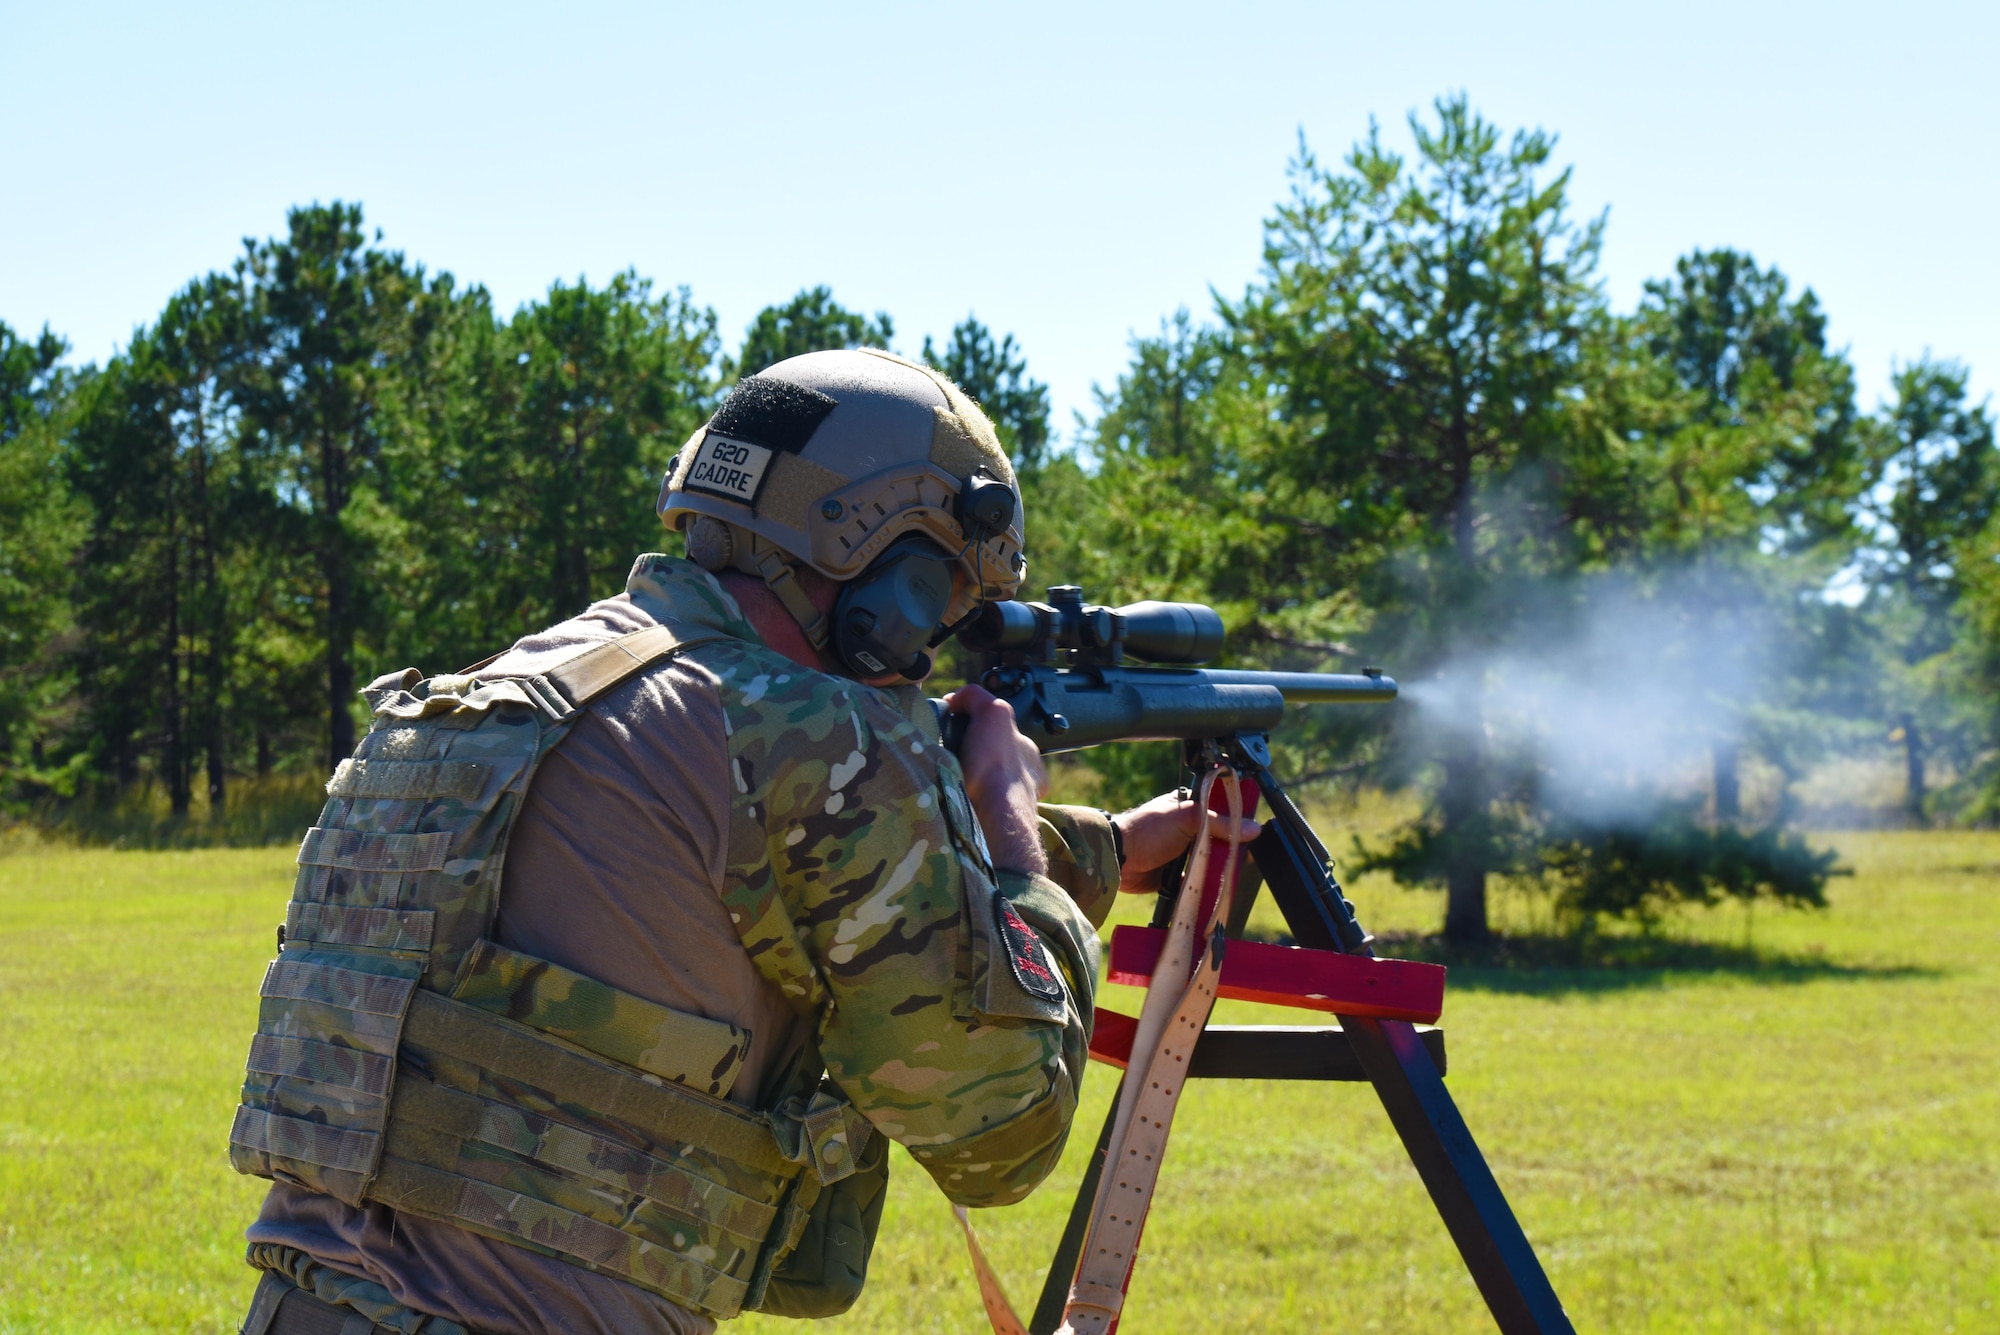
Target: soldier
(614,962)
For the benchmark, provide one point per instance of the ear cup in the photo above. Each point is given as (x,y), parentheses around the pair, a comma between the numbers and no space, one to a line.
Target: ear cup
(710,544)
(884,619)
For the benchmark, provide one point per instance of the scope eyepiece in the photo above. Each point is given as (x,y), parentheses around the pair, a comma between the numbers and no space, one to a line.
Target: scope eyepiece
(1001,626)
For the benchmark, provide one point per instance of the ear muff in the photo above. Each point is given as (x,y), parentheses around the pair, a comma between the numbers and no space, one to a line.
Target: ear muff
(885,618)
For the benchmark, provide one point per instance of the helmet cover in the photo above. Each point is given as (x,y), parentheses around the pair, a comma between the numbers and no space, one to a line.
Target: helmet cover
(832,456)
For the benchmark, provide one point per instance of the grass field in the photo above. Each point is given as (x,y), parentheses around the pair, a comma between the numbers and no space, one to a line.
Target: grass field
(1786,1123)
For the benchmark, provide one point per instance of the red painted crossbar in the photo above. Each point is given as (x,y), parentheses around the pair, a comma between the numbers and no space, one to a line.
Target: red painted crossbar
(1111,1036)
(1314,980)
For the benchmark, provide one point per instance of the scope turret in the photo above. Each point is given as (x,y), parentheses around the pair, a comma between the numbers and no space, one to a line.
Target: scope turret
(1065,628)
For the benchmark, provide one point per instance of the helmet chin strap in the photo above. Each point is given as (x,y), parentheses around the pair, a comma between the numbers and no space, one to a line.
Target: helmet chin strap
(782,580)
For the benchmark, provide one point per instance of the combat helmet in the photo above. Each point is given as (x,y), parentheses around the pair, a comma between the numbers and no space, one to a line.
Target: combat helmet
(849,462)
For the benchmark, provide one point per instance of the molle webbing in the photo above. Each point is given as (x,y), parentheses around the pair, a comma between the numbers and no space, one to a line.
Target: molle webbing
(405,779)
(352,1068)
(663,1112)
(542,1226)
(351,989)
(453,1120)
(693,1050)
(297,1140)
(659,1185)
(355,925)
(353,850)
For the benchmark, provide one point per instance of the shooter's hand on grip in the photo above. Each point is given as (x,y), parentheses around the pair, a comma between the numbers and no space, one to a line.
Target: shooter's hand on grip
(1158,831)
(1004,777)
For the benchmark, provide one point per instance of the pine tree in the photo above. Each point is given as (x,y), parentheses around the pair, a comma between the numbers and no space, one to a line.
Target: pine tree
(996,377)
(812,321)
(41,524)
(339,332)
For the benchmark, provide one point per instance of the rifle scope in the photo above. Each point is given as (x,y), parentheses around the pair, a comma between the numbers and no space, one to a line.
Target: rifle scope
(1177,633)
(1061,666)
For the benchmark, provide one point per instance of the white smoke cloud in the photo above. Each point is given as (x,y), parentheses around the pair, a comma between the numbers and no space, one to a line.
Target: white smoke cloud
(1612,696)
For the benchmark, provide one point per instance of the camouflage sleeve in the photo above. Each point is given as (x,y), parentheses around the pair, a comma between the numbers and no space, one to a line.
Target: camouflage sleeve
(956,1003)
(1083,857)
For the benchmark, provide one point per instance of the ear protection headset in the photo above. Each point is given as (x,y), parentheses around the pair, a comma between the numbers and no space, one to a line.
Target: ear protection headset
(884,620)
(887,617)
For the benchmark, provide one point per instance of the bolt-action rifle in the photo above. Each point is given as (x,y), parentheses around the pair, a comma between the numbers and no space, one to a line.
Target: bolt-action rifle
(1078,676)
(1064,668)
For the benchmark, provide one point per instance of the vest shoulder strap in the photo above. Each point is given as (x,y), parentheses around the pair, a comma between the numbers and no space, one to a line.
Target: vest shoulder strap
(586,672)
(601,667)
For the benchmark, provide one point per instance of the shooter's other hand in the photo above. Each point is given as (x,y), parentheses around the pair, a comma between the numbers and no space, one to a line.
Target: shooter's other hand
(1004,778)
(1157,832)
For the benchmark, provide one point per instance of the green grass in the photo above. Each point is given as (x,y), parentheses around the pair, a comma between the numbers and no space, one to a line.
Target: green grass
(1782,1123)
(129,986)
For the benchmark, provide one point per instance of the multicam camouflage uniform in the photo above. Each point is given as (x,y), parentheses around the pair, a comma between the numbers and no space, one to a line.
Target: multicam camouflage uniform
(950,1002)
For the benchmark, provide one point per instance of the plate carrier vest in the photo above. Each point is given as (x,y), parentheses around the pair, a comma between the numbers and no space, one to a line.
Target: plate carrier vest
(403,1056)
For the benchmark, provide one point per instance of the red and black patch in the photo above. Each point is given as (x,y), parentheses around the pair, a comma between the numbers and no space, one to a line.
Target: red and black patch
(1024,952)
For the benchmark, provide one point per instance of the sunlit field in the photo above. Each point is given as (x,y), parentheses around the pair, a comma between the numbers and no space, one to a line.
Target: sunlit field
(1778,1122)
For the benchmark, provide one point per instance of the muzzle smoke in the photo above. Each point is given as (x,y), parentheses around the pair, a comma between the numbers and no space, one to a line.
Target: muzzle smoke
(1608,701)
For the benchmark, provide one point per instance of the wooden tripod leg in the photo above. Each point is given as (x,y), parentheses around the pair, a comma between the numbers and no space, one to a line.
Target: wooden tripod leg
(1055,1289)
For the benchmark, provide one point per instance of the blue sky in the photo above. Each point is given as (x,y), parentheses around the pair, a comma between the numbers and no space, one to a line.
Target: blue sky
(1069,172)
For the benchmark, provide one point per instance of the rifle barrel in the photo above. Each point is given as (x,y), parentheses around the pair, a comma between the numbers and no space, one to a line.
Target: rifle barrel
(1312,688)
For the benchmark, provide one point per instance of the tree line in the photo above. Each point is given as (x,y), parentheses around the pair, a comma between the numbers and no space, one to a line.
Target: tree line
(1594,543)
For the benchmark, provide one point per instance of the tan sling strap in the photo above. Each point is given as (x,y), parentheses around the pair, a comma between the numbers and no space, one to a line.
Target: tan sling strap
(1178,1001)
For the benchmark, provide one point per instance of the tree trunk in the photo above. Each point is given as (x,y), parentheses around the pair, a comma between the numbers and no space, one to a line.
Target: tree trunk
(339,665)
(212,667)
(263,752)
(1463,803)
(1464,800)
(334,569)
(180,788)
(1728,795)
(217,791)
(1915,789)
(576,553)
(576,574)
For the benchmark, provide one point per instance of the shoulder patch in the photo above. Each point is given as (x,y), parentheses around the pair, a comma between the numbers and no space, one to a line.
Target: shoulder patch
(1025,954)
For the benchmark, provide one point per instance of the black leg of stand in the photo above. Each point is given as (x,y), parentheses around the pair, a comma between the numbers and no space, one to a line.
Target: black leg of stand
(1496,1251)
(1055,1289)
(1482,1224)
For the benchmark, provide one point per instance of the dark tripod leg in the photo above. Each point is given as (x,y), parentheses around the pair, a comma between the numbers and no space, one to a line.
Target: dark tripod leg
(1496,1251)
(1481,1223)
(1055,1289)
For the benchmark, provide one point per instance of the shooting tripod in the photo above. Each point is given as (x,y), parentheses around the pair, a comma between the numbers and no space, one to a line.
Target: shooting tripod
(1376,1003)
